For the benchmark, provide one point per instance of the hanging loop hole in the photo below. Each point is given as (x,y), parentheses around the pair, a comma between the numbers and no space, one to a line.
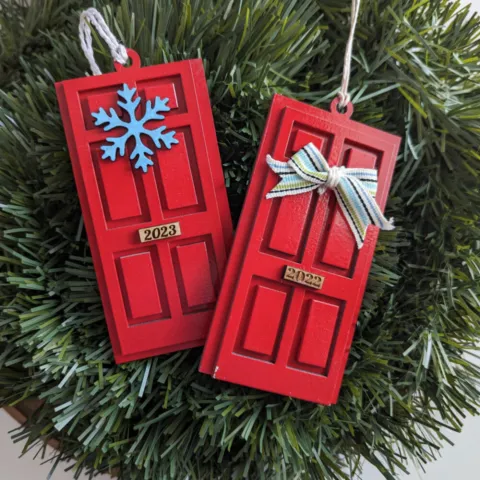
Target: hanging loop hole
(336,108)
(134,58)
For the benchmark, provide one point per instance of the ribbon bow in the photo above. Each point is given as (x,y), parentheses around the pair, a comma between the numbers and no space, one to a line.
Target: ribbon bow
(355,188)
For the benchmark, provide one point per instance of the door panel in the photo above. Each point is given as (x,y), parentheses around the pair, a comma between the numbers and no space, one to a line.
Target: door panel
(271,333)
(315,334)
(257,338)
(123,200)
(196,275)
(158,297)
(174,172)
(142,299)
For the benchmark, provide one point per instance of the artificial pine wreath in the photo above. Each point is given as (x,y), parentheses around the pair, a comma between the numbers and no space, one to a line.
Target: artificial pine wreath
(409,379)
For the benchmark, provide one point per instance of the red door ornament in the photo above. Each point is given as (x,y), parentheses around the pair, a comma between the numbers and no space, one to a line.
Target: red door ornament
(295,280)
(154,204)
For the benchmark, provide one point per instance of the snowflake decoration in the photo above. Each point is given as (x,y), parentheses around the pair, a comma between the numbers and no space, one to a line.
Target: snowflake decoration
(135,128)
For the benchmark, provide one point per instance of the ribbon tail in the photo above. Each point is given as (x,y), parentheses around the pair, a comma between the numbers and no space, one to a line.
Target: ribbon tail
(372,210)
(359,231)
(360,209)
(389,224)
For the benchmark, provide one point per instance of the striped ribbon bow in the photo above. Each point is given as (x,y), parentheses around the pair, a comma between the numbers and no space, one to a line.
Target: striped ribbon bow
(355,188)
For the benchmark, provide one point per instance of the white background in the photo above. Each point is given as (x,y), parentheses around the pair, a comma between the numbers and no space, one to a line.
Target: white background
(461,461)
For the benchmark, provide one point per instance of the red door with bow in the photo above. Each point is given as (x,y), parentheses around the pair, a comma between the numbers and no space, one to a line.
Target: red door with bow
(269,332)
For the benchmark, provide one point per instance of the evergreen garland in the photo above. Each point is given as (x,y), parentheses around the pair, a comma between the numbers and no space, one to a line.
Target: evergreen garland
(409,379)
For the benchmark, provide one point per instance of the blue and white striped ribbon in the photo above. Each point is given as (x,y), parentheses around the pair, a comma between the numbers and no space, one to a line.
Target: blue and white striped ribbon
(355,188)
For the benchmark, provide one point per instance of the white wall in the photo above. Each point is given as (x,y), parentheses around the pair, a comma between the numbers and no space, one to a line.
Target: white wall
(461,461)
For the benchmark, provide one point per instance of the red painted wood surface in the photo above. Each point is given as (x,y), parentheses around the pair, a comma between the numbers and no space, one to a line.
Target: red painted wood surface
(273,334)
(158,296)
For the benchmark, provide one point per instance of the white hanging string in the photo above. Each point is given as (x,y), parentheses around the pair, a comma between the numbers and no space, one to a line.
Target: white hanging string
(118,51)
(343,94)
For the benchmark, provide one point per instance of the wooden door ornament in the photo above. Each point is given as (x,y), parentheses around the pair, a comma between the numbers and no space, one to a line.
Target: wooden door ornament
(148,173)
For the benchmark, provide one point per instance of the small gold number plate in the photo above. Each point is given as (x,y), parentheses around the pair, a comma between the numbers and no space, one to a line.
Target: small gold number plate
(303,278)
(159,232)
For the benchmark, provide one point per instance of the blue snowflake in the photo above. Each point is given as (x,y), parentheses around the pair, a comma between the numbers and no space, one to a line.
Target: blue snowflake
(135,128)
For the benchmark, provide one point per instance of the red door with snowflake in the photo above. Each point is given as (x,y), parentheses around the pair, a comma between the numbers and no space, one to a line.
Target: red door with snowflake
(268,331)
(159,238)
